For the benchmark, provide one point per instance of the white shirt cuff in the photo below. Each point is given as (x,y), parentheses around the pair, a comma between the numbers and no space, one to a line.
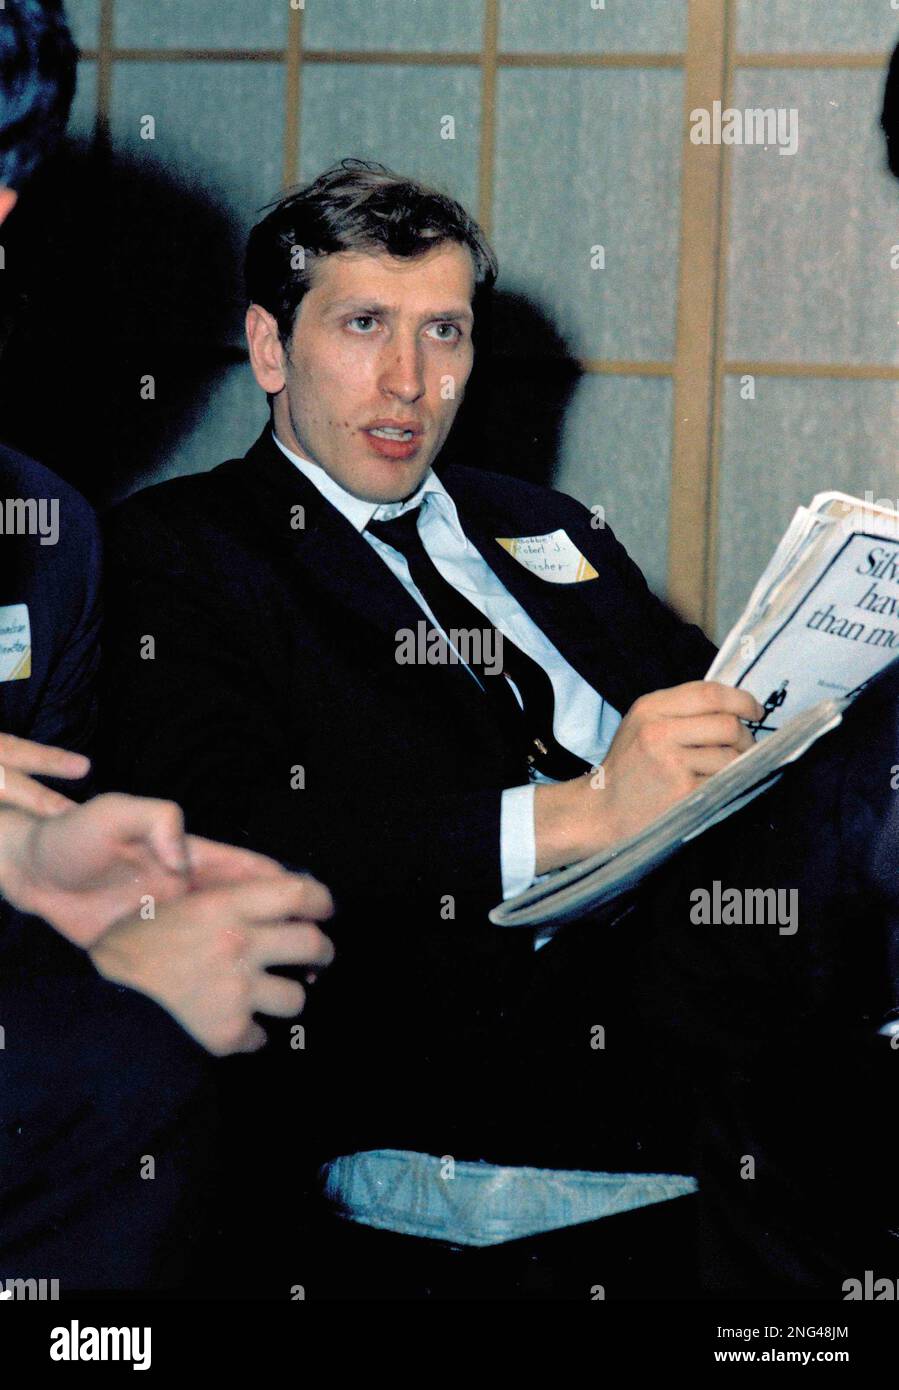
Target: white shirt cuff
(517,840)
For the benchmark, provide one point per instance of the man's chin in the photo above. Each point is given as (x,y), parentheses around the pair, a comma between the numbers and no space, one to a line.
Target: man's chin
(389,481)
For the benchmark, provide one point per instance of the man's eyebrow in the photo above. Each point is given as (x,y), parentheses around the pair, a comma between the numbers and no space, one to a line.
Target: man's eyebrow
(363,306)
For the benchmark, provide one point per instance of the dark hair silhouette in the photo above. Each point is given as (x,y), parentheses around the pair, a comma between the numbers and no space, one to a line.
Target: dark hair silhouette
(37,83)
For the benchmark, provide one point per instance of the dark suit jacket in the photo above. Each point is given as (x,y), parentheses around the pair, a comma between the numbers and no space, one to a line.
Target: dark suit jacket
(275,650)
(82,1061)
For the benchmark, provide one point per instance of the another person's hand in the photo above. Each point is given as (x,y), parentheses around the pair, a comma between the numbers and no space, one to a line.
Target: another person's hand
(668,743)
(21,761)
(205,957)
(113,857)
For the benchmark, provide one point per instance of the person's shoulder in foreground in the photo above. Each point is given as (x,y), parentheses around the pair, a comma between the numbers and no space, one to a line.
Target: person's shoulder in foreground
(43,508)
(49,604)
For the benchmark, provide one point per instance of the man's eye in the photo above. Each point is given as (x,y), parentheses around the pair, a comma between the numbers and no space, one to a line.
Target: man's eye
(362,318)
(456,330)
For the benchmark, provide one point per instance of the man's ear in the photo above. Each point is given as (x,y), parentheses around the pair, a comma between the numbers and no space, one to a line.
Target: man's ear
(8,199)
(266,351)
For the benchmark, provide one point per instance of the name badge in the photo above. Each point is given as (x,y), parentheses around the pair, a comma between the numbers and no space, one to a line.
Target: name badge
(554,558)
(15,642)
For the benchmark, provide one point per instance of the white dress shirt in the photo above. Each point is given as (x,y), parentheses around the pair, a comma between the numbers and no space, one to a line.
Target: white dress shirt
(583,721)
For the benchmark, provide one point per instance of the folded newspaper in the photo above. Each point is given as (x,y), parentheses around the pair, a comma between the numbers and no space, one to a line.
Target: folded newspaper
(820,623)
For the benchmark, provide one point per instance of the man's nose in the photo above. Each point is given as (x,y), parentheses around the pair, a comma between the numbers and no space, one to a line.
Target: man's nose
(402,373)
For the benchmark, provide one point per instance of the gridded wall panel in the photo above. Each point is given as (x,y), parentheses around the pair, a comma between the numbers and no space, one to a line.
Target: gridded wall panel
(84,107)
(575,26)
(429,25)
(216,150)
(344,113)
(200,23)
(810,274)
(218,126)
(584,159)
(798,437)
(84,21)
(615,453)
(816,26)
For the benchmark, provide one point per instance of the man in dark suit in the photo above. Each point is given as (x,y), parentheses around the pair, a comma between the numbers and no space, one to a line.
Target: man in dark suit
(427,687)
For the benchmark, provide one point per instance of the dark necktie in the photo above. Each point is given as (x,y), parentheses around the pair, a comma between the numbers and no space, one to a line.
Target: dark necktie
(533,725)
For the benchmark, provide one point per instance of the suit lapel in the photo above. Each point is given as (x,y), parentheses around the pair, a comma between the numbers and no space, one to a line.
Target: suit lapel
(581,620)
(578,619)
(340,563)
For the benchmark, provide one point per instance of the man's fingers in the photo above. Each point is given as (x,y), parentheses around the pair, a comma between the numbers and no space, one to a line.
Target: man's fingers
(703,730)
(705,762)
(278,997)
(251,1041)
(290,945)
(166,835)
(40,758)
(215,865)
(159,824)
(16,789)
(703,697)
(272,900)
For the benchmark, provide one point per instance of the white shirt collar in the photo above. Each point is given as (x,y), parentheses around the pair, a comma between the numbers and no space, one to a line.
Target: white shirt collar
(357,511)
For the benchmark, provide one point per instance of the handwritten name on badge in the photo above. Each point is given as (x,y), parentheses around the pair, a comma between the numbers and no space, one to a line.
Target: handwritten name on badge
(15,642)
(554,558)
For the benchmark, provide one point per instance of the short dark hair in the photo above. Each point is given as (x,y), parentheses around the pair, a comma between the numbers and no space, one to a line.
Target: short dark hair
(38,60)
(356,205)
